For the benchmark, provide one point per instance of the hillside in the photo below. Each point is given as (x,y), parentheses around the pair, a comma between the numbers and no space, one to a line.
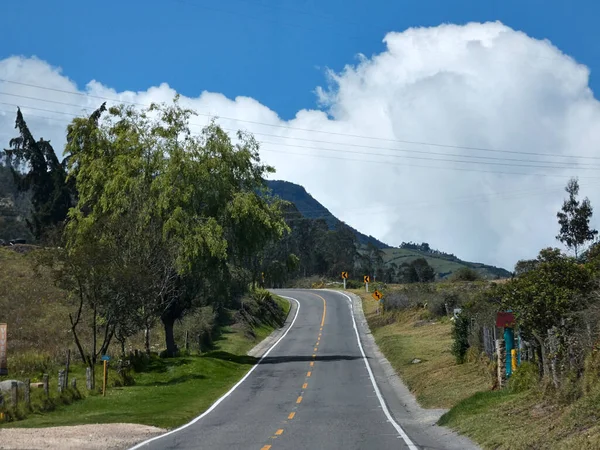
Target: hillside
(444,264)
(312,209)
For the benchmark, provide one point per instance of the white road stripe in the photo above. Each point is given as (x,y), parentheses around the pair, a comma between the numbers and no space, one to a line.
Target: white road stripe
(395,424)
(228,393)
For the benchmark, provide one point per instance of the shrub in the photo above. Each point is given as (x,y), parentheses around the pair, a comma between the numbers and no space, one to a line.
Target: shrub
(465,274)
(460,336)
(526,377)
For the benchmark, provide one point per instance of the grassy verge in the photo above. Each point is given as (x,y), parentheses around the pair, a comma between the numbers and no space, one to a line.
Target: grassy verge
(437,381)
(504,419)
(169,392)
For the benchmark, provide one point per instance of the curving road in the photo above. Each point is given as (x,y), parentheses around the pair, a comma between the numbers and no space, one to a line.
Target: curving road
(320,387)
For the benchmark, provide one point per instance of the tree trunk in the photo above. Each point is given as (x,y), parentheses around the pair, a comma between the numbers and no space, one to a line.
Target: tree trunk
(168,323)
(542,355)
(147,339)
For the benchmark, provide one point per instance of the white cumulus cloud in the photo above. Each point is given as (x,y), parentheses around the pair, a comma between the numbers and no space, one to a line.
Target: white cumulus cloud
(400,145)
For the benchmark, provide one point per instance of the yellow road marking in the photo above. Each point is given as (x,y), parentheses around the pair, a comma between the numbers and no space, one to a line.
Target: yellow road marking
(324,311)
(314,356)
(279,432)
(319,338)
(291,416)
(299,399)
(266,447)
(315,349)
(305,385)
(317,344)
(308,374)
(321,329)
(312,363)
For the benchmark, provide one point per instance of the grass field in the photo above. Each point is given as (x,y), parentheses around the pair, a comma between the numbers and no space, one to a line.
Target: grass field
(169,392)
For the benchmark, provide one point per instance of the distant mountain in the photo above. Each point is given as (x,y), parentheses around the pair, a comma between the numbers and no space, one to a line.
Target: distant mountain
(443,263)
(312,209)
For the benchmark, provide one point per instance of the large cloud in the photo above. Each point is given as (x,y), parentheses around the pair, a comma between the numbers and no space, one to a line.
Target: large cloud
(481,86)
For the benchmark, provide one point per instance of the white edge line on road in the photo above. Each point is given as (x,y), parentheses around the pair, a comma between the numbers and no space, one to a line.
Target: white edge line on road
(395,424)
(228,393)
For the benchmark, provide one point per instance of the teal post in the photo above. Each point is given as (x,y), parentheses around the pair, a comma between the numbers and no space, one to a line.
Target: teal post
(509,339)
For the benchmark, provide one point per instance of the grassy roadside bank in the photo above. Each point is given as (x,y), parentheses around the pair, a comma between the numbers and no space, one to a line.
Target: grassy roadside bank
(436,381)
(512,418)
(168,392)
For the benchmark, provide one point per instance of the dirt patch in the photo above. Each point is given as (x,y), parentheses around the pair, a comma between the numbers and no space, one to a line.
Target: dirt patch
(84,437)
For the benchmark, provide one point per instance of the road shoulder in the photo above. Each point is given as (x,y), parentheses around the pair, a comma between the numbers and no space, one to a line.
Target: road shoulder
(419,423)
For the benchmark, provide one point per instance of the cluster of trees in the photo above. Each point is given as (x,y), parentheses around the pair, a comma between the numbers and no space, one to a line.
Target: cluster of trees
(145,221)
(555,296)
(310,248)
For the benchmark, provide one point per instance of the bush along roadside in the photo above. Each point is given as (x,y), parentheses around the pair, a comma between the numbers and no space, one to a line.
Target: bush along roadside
(147,388)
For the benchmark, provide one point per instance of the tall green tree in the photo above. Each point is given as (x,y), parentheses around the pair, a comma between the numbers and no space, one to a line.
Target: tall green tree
(36,168)
(552,290)
(193,201)
(574,220)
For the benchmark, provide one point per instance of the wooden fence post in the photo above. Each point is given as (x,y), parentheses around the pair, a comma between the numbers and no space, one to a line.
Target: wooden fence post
(89,379)
(27,393)
(67,366)
(61,380)
(46,385)
(14,394)
(501,353)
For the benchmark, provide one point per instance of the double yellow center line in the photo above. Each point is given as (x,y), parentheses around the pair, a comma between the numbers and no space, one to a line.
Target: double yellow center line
(279,432)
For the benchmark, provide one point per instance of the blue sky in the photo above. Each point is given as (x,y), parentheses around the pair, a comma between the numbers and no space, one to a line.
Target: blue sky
(273,51)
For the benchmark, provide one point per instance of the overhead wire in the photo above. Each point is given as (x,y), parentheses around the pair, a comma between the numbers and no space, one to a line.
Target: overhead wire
(349,135)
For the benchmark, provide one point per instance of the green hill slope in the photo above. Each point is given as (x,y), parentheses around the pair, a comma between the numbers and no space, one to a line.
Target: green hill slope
(443,263)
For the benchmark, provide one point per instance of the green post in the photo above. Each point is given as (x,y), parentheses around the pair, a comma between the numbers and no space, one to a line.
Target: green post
(509,339)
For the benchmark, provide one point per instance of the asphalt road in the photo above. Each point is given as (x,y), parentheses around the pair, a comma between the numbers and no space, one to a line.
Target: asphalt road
(316,389)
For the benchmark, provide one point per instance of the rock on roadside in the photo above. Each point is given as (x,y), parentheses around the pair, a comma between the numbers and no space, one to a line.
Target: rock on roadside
(84,437)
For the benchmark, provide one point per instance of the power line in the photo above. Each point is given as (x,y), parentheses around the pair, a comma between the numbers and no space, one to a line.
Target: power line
(429,159)
(345,144)
(377,148)
(425,167)
(373,161)
(482,149)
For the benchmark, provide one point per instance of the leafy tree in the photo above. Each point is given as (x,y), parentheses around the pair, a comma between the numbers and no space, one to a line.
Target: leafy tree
(574,220)
(407,274)
(425,272)
(192,201)
(466,274)
(36,168)
(525,265)
(544,296)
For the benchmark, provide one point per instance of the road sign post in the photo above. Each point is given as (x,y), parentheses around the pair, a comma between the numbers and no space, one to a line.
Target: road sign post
(105,359)
(344,276)
(366,279)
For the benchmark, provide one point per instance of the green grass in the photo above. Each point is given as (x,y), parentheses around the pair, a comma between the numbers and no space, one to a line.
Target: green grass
(169,393)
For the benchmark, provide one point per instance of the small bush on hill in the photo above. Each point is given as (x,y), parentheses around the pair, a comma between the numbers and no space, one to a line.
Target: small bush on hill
(465,274)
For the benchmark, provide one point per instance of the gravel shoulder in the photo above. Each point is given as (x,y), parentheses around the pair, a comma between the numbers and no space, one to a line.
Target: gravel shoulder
(84,437)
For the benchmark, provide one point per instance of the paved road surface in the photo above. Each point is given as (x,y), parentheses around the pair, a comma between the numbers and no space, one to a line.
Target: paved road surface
(313,390)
